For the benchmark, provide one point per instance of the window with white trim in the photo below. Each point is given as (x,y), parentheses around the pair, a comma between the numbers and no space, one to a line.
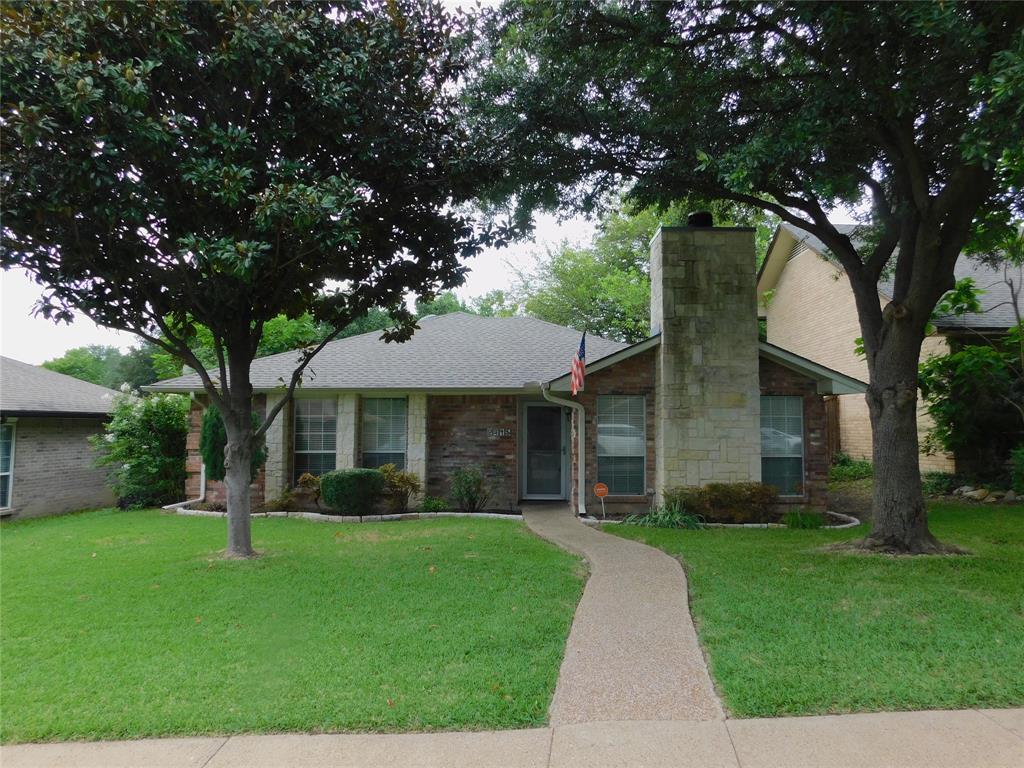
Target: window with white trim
(316,436)
(384,431)
(622,444)
(782,443)
(6,464)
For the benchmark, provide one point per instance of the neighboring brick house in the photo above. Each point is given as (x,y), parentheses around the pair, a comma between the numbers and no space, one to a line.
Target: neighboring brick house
(699,401)
(47,465)
(809,309)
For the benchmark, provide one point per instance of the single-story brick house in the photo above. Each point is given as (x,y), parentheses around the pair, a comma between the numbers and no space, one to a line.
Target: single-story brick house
(47,465)
(699,401)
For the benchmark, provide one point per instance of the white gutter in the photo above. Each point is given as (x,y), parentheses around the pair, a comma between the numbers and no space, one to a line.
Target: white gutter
(202,481)
(581,461)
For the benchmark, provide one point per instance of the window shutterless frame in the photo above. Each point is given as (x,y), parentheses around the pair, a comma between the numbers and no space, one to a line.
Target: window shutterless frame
(782,443)
(622,444)
(315,435)
(7,442)
(384,431)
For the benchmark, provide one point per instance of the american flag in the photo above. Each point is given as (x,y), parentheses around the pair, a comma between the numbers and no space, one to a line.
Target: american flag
(579,365)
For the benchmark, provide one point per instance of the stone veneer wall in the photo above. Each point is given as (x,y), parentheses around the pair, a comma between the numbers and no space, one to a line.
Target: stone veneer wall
(216,493)
(703,301)
(54,467)
(778,380)
(457,437)
(634,376)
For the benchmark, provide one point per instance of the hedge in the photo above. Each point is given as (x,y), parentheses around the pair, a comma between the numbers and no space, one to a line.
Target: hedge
(352,491)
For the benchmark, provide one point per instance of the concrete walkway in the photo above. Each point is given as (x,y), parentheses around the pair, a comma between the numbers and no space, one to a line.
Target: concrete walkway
(960,739)
(632,653)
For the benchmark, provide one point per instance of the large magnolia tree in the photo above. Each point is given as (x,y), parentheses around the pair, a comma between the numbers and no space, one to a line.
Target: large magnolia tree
(913,111)
(170,164)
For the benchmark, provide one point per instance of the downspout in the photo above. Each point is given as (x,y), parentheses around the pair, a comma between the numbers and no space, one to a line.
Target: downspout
(581,460)
(202,481)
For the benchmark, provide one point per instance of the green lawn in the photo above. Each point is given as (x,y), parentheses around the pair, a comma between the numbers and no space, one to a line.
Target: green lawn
(128,624)
(790,629)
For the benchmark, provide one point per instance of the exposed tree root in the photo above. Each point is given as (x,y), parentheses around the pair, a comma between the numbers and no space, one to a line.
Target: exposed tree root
(251,555)
(928,545)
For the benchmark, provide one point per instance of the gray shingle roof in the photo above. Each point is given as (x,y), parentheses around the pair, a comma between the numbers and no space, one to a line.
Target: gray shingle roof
(454,351)
(26,389)
(996,300)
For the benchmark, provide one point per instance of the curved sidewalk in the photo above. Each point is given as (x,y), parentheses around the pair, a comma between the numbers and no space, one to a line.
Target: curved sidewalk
(632,653)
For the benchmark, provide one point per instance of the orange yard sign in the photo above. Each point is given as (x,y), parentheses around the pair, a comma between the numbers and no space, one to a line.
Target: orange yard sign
(600,490)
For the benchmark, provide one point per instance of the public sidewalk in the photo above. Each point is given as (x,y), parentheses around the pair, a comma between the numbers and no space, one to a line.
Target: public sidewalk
(959,739)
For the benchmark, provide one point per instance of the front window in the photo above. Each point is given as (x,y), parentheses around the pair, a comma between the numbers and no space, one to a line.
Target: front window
(782,443)
(384,431)
(6,463)
(621,444)
(316,436)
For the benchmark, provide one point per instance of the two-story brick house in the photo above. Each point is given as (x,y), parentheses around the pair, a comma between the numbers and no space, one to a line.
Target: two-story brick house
(809,309)
(701,400)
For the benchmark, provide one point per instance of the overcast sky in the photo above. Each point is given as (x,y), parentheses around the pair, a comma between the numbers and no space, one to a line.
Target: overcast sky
(36,339)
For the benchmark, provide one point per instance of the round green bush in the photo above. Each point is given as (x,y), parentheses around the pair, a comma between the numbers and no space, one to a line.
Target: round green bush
(352,491)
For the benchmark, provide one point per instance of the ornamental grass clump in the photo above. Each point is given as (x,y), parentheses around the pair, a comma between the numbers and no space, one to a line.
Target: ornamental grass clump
(671,515)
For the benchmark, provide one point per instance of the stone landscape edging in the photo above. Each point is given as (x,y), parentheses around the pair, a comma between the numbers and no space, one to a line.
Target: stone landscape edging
(321,518)
(849,521)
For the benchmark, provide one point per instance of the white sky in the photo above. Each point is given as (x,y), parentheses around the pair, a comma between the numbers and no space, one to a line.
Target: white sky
(36,339)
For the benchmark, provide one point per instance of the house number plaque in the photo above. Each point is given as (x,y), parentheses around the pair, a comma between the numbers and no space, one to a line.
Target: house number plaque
(494,432)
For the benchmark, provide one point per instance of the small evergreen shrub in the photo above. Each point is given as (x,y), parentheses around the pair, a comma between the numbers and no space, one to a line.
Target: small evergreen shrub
(803,519)
(845,468)
(400,485)
(726,502)
(938,483)
(470,491)
(352,491)
(212,440)
(143,445)
(1017,469)
(431,505)
(666,516)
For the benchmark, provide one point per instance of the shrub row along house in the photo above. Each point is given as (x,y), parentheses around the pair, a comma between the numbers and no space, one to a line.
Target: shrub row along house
(700,401)
(809,309)
(47,465)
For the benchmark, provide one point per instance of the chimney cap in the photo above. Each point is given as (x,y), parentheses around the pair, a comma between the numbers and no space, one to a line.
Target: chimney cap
(700,219)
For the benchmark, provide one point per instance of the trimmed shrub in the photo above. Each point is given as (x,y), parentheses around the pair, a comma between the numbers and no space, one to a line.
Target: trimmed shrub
(938,483)
(431,505)
(469,489)
(666,516)
(845,468)
(726,502)
(352,491)
(213,438)
(1017,469)
(144,447)
(400,485)
(803,519)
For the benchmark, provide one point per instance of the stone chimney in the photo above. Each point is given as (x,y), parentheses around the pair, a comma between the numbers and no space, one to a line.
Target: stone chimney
(708,405)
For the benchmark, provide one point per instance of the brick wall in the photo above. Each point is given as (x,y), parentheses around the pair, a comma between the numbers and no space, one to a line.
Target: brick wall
(54,468)
(813,313)
(216,493)
(634,376)
(457,437)
(778,380)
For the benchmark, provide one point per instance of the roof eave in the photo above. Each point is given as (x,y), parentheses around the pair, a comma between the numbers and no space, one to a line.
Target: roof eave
(829,382)
(563,383)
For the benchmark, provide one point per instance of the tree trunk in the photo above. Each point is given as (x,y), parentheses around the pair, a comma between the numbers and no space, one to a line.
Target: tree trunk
(899,516)
(237,478)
